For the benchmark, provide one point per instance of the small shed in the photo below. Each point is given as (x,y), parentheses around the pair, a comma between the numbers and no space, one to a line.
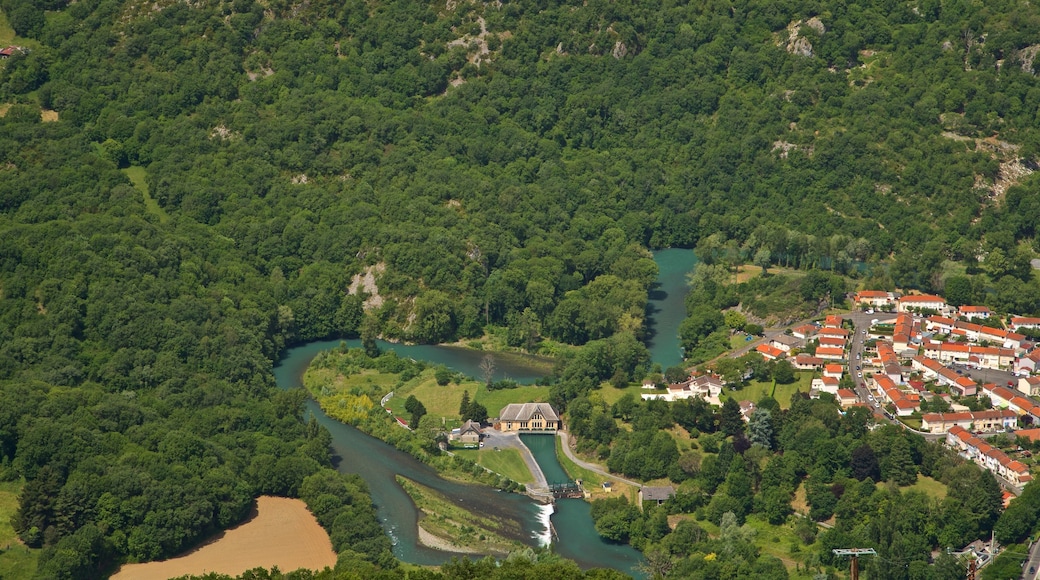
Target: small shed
(655,495)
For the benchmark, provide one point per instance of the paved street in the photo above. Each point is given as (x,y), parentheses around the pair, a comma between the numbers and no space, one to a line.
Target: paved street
(1031,568)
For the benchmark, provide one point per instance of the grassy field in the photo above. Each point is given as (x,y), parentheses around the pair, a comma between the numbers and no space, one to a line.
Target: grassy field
(136,175)
(929,486)
(507,462)
(7,36)
(756,390)
(610,394)
(495,400)
(16,561)
(739,340)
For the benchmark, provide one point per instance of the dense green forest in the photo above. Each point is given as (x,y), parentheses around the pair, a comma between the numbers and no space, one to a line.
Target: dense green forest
(508,164)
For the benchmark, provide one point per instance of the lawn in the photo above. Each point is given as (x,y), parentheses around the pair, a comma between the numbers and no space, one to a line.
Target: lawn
(611,394)
(137,177)
(495,400)
(505,462)
(16,561)
(440,401)
(911,422)
(756,390)
(929,486)
(739,340)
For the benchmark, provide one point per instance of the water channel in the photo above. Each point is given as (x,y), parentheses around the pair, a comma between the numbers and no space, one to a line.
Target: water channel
(378,463)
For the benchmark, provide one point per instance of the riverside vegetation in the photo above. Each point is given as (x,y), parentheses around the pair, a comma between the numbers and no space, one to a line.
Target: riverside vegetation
(504,166)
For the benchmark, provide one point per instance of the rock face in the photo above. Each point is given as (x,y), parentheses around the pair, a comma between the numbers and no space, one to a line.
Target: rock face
(1026,57)
(794,42)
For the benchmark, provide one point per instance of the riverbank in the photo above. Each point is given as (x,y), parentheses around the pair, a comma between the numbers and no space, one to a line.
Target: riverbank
(446,526)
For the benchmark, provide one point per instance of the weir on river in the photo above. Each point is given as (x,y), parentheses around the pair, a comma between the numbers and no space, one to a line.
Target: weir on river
(530,522)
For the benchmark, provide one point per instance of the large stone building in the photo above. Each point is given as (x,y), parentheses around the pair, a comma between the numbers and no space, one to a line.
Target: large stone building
(527,417)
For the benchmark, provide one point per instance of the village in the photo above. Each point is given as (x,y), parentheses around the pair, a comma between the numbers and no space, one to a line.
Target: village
(957,375)
(916,361)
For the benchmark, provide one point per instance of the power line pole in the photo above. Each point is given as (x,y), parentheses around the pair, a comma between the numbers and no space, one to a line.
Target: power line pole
(854,554)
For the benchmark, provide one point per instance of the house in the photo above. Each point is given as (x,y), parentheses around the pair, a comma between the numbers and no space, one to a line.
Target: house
(707,387)
(973,312)
(468,435)
(833,371)
(873,298)
(833,321)
(920,302)
(527,417)
(847,398)
(807,362)
(804,331)
(835,341)
(9,51)
(786,343)
(825,384)
(830,353)
(987,456)
(989,420)
(1029,363)
(770,352)
(1029,385)
(655,495)
(1019,322)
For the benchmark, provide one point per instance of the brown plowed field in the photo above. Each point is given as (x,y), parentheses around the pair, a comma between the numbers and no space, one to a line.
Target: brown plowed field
(282,533)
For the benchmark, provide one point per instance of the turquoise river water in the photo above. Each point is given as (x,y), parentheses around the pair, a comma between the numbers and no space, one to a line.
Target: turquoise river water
(378,463)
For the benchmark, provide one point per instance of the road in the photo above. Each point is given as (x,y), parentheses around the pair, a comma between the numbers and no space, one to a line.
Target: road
(1031,566)
(861,322)
(566,444)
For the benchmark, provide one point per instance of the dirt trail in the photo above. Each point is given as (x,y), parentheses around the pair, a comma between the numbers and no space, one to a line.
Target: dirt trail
(282,533)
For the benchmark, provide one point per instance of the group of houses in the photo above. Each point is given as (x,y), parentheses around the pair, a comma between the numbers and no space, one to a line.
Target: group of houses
(987,456)
(702,386)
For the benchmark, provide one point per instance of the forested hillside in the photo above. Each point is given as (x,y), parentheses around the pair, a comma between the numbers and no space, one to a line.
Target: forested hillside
(508,164)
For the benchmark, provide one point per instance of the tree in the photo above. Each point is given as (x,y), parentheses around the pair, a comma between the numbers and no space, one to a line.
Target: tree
(898,464)
(865,464)
(760,428)
(731,421)
(783,372)
(762,259)
(464,405)
(734,319)
(487,368)
(416,409)
(958,291)
(443,375)
(476,412)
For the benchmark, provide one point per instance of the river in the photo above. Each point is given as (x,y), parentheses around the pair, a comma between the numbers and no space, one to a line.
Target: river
(667,305)
(378,463)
